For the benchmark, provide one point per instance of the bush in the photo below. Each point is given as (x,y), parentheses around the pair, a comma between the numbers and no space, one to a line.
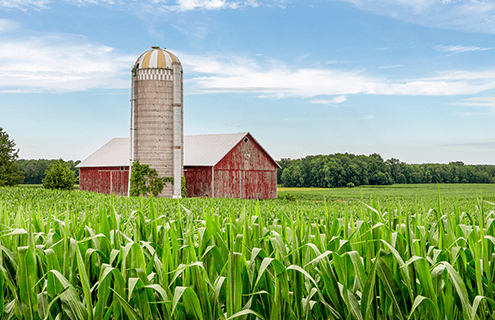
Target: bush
(145,181)
(350,185)
(59,176)
(183,187)
(289,197)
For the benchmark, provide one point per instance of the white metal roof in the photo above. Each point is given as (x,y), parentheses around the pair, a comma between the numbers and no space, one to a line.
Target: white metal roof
(113,154)
(199,150)
(209,149)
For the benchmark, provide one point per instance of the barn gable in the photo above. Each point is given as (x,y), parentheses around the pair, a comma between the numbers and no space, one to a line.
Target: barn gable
(246,171)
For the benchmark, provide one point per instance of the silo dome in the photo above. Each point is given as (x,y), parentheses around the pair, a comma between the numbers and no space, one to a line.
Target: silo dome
(156,58)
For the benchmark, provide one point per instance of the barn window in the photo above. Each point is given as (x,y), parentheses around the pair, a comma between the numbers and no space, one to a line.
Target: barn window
(121,168)
(246,140)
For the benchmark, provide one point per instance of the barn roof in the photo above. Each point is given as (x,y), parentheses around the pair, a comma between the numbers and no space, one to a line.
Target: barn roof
(114,153)
(199,150)
(209,149)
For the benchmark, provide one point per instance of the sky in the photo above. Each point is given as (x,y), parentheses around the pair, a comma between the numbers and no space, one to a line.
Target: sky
(408,79)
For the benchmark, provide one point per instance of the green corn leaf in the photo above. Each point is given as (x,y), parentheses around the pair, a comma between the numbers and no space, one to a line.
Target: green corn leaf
(190,301)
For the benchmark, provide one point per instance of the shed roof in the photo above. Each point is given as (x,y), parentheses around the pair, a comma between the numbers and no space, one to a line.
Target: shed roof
(199,150)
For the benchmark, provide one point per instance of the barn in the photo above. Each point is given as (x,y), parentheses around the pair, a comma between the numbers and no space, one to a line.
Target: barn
(215,165)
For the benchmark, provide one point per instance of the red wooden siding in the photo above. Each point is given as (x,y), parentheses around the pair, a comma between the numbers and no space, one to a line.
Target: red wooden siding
(227,184)
(108,180)
(246,172)
(198,181)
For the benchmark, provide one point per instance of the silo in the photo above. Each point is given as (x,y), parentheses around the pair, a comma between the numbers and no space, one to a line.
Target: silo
(156,116)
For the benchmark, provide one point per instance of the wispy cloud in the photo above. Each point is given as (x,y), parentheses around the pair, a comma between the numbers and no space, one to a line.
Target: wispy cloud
(158,5)
(227,73)
(459,49)
(187,5)
(466,15)
(368,117)
(7,25)
(472,145)
(479,102)
(337,62)
(391,67)
(335,100)
(24,5)
(44,63)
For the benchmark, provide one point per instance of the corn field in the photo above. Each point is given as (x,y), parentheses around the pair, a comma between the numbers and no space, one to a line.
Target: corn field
(78,255)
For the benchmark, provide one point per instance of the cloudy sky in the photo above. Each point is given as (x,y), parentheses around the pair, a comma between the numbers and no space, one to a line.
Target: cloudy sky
(409,79)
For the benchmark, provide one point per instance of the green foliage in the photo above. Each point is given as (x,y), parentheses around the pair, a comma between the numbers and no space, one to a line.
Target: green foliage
(145,181)
(82,255)
(289,197)
(34,170)
(183,187)
(337,170)
(9,173)
(350,185)
(59,176)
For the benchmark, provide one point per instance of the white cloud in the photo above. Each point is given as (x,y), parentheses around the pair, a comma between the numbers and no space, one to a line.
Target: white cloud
(224,74)
(465,15)
(71,63)
(60,63)
(391,67)
(24,4)
(7,25)
(479,102)
(188,5)
(96,2)
(156,5)
(338,99)
(301,119)
(459,49)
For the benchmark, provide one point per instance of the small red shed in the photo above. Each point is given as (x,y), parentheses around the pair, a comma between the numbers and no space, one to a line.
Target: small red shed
(216,165)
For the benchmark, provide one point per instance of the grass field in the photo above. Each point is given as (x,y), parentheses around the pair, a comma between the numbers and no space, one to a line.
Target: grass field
(395,192)
(398,252)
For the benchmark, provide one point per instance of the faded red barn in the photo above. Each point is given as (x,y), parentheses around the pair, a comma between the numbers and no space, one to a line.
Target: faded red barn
(216,165)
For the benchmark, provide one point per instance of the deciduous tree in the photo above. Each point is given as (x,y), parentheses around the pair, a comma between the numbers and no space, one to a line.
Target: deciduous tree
(59,176)
(9,173)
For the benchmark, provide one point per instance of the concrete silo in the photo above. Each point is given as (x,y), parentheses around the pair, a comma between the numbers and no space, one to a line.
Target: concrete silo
(156,116)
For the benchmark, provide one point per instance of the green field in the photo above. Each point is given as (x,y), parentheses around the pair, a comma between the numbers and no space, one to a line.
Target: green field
(397,252)
(395,192)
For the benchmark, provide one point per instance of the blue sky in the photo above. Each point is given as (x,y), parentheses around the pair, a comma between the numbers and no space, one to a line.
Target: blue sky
(409,79)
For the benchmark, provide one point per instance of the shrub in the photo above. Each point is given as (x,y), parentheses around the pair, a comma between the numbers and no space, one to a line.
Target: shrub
(350,185)
(59,176)
(290,197)
(145,181)
(183,187)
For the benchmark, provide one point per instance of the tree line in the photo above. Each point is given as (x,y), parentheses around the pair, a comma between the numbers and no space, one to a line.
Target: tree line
(34,170)
(345,169)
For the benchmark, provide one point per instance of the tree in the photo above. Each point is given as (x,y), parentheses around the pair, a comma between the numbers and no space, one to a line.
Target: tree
(9,173)
(34,170)
(59,176)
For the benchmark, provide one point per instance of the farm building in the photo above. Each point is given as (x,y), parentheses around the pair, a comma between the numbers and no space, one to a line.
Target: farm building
(217,165)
